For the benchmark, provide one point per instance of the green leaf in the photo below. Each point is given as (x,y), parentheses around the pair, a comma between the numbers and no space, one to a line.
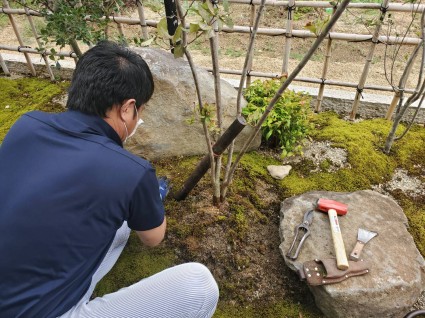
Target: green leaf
(177,34)
(204,26)
(210,7)
(229,22)
(194,27)
(162,29)
(147,42)
(178,51)
(226,5)
(204,12)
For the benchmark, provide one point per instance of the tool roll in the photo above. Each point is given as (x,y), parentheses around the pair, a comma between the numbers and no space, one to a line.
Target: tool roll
(322,272)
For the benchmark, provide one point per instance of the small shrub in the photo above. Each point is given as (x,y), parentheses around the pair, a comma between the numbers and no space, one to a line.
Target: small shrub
(288,124)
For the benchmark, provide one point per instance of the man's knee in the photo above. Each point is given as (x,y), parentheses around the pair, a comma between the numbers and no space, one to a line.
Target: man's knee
(205,279)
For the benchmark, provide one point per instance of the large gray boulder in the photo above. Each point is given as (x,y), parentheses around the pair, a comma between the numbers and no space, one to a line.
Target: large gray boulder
(166,131)
(397,271)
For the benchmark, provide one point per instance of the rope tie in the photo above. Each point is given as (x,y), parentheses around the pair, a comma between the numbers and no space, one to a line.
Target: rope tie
(383,9)
(70,54)
(113,17)
(251,3)
(323,80)
(290,9)
(360,91)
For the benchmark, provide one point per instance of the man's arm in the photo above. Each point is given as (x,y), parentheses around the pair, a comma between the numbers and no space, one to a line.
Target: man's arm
(154,236)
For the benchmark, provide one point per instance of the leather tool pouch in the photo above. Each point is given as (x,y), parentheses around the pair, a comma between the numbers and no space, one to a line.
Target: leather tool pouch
(323,272)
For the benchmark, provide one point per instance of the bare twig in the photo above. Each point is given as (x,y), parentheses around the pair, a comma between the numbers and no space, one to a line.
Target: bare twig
(419,92)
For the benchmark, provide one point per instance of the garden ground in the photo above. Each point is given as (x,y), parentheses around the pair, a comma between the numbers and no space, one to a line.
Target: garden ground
(239,240)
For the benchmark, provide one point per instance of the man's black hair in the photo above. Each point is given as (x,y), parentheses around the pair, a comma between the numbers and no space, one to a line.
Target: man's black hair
(106,75)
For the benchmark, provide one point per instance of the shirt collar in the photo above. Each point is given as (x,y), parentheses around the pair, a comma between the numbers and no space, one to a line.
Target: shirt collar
(92,124)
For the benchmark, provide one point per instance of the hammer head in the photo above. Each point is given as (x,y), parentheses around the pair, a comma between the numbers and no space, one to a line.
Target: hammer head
(325,205)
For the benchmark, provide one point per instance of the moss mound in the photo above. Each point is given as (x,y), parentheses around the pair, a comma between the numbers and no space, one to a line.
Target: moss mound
(26,94)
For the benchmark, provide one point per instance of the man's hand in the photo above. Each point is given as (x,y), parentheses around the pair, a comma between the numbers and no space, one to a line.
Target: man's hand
(164,187)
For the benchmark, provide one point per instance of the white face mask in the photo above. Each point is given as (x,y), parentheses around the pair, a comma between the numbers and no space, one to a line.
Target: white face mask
(139,122)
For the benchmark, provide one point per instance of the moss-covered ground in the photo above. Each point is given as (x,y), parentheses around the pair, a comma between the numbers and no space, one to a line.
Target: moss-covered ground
(239,241)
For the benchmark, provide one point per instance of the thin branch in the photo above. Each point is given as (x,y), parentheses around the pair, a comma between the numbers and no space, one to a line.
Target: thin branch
(196,81)
(249,53)
(412,120)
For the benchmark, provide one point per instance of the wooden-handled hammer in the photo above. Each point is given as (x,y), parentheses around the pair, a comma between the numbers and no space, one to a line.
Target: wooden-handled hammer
(335,208)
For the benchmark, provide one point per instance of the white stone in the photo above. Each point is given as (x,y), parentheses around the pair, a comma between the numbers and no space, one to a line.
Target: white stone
(279,172)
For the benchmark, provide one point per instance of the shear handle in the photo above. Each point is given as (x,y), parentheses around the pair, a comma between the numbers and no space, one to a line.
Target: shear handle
(298,228)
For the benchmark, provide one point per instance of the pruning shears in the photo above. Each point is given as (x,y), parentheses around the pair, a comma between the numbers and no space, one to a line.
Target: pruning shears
(302,231)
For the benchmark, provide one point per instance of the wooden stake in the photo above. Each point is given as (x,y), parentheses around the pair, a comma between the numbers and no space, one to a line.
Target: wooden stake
(141,12)
(18,37)
(4,66)
(369,57)
(288,37)
(34,31)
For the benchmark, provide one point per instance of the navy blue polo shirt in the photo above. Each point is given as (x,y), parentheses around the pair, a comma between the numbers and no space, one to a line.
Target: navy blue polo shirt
(66,187)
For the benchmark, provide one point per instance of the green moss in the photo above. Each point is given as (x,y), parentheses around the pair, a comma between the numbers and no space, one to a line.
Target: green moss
(265,310)
(325,165)
(363,142)
(136,262)
(410,151)
(256,165)
(415,213)
(23,95)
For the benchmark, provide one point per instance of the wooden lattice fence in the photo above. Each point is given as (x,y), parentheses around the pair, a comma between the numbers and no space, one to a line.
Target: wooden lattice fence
(289,33)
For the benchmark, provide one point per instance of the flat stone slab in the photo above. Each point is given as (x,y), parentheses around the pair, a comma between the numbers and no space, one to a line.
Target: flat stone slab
(397,272)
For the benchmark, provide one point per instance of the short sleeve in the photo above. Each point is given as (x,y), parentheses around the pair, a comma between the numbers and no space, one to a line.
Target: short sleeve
(146,208)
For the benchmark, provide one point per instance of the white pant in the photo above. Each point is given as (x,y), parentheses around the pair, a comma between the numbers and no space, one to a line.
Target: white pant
(187,290)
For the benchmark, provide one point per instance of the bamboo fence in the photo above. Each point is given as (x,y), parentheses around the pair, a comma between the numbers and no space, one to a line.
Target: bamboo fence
(288,33)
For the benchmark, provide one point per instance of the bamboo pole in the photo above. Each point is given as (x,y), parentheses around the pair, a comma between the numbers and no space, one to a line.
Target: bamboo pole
(251,56)
(34,51)
(392,7)
(313,80)
(369,57)
(18,37)
(288,38)
(276,32)
(119,25)
(328,54)
(37,38)
(141,12)
(236,72)
(398,7)
(4,66)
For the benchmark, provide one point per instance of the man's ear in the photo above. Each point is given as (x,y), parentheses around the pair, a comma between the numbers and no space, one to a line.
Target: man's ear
(128,109)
